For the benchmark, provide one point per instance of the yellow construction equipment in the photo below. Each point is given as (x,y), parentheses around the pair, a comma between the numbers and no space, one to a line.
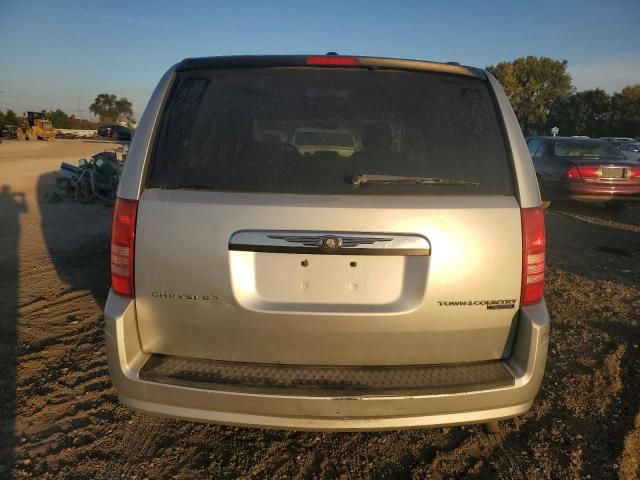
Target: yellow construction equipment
(35,127)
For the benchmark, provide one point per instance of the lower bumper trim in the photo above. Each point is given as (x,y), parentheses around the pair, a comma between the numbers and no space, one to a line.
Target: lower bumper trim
(325,381)
(327,424)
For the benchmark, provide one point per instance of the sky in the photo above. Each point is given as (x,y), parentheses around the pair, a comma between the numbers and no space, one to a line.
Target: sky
(62,54)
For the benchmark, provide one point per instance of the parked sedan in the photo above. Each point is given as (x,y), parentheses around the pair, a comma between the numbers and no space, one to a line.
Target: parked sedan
(114,132)
(631,151)
(585,170)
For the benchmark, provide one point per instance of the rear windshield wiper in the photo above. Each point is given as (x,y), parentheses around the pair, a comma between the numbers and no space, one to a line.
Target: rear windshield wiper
(397,179)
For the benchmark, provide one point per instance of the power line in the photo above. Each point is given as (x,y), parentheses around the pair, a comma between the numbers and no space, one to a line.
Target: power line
(30,102)
(22,107)
(29,93)
(32,94)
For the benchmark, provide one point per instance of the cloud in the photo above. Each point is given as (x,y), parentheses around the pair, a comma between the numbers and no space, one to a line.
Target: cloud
(611,74)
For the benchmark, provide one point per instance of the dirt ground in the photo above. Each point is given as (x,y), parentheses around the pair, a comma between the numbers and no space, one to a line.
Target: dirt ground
(60,417)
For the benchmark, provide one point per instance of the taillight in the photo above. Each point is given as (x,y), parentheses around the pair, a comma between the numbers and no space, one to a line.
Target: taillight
(573,172)
(583,172)
(332,60)
(634,172)
(123,233)
(589,172)
(533,255)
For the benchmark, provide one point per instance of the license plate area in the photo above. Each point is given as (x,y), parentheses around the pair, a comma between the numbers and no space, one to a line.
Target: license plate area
(317,283)
(612,173)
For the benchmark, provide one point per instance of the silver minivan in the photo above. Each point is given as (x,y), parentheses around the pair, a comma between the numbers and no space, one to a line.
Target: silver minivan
(387,275)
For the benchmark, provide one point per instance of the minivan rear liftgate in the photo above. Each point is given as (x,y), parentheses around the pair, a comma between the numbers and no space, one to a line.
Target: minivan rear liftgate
(324,230)
(418,295)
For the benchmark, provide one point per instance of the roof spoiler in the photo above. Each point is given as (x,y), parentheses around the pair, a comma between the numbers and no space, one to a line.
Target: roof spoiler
(280,61)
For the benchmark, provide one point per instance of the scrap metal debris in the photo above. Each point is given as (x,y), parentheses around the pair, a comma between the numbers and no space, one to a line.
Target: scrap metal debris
(93,179)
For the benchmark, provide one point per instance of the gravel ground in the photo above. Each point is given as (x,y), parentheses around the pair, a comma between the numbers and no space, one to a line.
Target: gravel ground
(61,418)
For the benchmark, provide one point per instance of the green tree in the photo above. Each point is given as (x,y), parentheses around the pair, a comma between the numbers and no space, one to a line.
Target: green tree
(11,118)
(2,118)
(569,114)
(125,110)
(60,119)
(583,113)
(532,85)
(110,108)
(625,115)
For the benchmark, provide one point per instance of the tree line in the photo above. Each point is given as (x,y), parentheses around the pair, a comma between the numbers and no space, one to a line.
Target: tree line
(542,94)
(59,119)
(107,107)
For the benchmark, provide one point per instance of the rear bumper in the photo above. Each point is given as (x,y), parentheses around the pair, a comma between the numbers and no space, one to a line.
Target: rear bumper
(325,412)
(592,191)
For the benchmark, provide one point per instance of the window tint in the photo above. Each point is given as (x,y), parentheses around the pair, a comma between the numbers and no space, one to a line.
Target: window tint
(541,149)
(306,130)
(533,145)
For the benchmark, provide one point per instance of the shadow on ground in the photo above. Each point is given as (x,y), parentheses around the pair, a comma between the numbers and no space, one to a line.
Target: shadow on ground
(12,204)
(77,239)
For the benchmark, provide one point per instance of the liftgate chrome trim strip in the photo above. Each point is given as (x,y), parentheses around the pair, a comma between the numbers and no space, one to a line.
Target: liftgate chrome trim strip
(329,243)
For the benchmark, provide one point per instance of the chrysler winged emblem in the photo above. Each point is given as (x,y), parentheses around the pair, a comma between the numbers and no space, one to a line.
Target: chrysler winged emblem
(330,243)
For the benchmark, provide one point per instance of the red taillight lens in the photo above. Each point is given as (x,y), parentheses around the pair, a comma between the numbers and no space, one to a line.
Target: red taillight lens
(589,172)
(583,172)
(634,173)
(123,233)
(573,172)
(332,60)
(533,255)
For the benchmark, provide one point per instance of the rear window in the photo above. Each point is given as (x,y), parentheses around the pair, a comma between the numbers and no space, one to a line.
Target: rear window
(586,149)
(311,130)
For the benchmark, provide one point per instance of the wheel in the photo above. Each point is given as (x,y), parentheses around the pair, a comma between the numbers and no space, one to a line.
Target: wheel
(546,204)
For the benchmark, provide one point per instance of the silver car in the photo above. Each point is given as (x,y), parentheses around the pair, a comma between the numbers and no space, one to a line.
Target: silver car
(630,150)
(396,285)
